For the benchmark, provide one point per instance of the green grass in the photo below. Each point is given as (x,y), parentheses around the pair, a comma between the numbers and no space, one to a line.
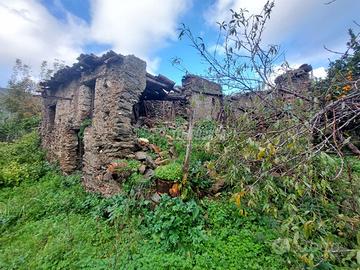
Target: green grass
(43,226)
(51,223)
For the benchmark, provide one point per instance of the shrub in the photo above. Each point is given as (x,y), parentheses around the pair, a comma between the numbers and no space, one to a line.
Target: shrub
(198,175)
(13,128)
(22,160)
(317,212)
(175,223)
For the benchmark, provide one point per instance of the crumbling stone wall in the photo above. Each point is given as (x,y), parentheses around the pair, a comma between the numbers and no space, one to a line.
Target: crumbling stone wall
(239,103)
(160,109)
(180,108)
(294,81)
(61,121)
(206,107)
(205,97)
(111,134)
(106,93)
(288,85)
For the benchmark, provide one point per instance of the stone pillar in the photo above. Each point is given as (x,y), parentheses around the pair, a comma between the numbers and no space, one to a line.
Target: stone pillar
(83,104)
(68,154)
(111,134)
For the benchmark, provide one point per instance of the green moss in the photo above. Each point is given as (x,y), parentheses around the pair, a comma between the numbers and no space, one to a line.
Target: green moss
(86,123)
(131,164)
(169,172)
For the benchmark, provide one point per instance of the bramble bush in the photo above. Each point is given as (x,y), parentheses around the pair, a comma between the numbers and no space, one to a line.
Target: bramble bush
(22,160)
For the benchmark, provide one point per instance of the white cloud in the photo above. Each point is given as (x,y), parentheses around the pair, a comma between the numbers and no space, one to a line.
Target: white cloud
(136,27)
(301,27)
(320,72)
(31,33)
(220,10)
(152,64)
(141,27)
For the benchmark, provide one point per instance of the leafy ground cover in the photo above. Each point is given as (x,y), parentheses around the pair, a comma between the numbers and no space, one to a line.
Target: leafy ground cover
(47,221)
(52,223)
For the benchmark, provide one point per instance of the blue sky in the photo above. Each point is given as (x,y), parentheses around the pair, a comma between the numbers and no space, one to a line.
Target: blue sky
(37,30)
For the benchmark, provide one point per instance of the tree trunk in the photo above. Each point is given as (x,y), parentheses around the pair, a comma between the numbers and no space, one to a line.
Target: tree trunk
(188,149)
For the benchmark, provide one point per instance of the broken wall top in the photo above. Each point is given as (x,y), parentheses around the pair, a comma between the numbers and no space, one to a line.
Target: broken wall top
(87,63)
(296,75)
(200,85)
(87,69)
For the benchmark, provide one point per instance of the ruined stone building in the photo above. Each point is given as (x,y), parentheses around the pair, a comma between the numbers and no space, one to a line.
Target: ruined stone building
(112,93)
(206,97)
(288,87)
(295,81)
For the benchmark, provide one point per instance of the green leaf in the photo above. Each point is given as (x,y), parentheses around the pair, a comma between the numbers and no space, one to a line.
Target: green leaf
(281,246)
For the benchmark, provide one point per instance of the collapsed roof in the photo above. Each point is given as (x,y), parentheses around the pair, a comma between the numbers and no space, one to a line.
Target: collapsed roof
(87,63)
(157,87)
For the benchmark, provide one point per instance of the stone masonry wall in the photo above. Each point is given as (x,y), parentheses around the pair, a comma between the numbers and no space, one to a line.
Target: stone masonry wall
(206,106)
(206,99)
(111,135)
(295,81)
(104,91)
(105,95)
(64,110)
(160,109)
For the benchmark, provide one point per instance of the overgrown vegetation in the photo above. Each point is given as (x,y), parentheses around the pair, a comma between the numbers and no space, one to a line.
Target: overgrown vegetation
(48,221)
(272,188)
(286,157)
(21,161)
